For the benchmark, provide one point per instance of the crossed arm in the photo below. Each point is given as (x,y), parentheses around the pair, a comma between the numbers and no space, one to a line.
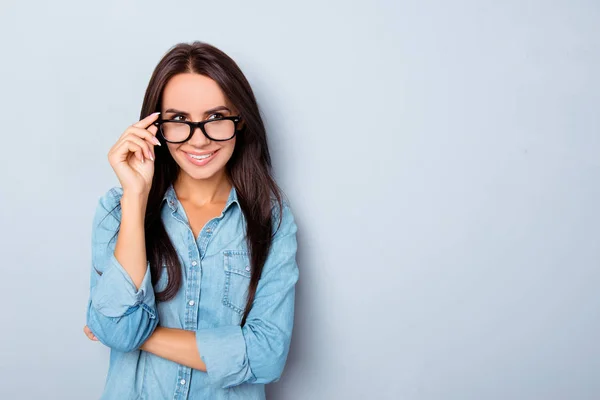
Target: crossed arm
(122,312)
(178,345)
(126,266)
(225,353)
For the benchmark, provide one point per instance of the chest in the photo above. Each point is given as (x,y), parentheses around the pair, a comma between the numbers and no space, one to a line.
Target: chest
(199,216)
(215,267)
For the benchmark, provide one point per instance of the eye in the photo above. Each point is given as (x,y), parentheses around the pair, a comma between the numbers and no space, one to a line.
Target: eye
(219,115)
(174,118)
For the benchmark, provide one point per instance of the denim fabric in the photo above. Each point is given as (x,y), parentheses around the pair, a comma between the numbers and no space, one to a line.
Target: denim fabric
(211,300)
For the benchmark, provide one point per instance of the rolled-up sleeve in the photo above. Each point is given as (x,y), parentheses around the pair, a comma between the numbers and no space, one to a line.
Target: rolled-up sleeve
(257,352)
(119,314)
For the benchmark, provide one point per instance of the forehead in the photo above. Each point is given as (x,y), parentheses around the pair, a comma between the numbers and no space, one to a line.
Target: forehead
(193,93)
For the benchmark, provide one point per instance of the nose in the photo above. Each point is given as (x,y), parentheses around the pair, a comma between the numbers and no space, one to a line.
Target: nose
(198,138)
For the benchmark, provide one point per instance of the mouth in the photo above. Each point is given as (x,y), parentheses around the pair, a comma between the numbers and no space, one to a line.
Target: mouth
(200,160)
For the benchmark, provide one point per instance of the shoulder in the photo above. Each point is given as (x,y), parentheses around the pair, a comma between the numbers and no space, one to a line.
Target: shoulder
(284,222)
(111,198)
(109,203)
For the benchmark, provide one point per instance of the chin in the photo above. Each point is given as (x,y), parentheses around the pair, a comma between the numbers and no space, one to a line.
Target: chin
(201,175)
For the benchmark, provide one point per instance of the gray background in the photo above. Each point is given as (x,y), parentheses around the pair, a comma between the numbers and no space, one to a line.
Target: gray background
(441,157)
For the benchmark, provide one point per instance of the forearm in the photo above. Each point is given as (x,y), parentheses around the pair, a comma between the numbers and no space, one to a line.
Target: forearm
(126,335)
(130,249)
(121,310)
(177,345)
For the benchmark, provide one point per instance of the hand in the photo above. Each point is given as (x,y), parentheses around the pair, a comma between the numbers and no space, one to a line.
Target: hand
(132,157)
(89,333)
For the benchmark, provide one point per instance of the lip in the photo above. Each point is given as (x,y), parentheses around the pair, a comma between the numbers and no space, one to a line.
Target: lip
(200,163)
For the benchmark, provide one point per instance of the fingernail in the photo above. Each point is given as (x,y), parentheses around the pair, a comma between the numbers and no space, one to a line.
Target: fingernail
(157,141)
(155,113)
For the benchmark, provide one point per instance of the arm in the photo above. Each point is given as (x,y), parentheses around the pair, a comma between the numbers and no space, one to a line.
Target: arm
(178,345)
(130,249)
(121,309)
(256,352)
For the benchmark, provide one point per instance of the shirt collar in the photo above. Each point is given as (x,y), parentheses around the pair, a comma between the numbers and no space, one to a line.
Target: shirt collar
(171,198)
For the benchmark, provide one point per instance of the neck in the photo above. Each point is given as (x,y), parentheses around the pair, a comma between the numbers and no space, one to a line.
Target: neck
(201,192)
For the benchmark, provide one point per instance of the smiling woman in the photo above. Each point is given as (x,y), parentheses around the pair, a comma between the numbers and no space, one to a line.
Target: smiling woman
(182,105)
(194,256)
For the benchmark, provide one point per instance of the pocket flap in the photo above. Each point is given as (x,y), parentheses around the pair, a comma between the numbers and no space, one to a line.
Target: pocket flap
(237,262)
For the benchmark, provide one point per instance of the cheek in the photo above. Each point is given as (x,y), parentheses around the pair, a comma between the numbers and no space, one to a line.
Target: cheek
(227,149)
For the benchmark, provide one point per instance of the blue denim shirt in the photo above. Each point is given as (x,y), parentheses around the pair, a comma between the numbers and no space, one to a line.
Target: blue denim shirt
(216,273)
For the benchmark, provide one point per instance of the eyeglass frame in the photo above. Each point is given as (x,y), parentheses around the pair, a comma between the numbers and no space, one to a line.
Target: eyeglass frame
(200,124)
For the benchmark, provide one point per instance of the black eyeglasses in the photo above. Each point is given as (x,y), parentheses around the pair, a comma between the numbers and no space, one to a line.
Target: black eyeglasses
(217,129)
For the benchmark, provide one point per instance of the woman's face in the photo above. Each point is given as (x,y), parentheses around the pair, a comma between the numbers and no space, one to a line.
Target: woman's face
(195,97)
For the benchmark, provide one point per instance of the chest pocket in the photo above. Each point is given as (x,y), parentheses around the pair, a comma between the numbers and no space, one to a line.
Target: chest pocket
(236,265)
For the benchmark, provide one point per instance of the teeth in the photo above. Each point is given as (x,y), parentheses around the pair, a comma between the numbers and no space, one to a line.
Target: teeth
(201,157)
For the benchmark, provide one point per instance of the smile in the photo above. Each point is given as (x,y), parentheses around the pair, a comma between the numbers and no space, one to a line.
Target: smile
(201,160)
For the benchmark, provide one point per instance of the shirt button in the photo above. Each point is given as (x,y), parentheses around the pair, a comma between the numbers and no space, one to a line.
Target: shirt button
(191,303)
(208,230)
(194,263)
(247,268)
(182,381)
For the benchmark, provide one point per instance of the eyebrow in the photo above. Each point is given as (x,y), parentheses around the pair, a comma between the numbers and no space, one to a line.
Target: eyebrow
(212,110)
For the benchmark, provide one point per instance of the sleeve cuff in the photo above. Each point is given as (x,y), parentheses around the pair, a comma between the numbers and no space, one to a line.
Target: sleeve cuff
(115,294)
(223,351)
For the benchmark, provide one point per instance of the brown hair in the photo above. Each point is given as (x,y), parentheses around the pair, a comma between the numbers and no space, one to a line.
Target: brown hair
(249,167)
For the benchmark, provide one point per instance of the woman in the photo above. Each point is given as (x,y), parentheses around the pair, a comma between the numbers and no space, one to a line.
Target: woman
(193,257)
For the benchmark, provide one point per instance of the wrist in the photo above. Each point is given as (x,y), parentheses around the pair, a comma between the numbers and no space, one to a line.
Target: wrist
(134,200)
(147,345)
(135,194)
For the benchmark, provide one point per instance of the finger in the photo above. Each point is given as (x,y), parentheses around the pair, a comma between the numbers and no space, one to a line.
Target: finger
(120,151)
(147,147)
(153,129)
(147,134)
(89,333)
(124,148)
(144,123)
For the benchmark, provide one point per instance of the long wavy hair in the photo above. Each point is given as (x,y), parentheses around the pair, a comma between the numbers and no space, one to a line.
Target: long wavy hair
(249,167)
